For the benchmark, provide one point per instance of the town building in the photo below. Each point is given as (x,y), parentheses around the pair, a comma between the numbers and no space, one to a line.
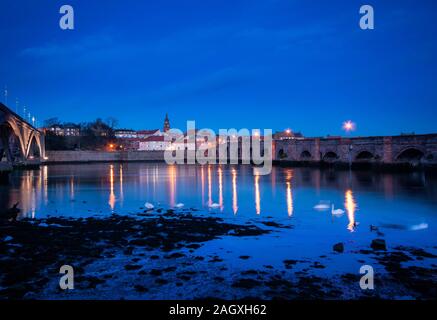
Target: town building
(125,133)
(154,143)
(143,134)
(128,144)
(71,130)
(65,130)
(56,130)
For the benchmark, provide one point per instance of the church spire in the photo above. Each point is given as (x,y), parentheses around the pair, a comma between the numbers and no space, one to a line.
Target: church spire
(166,123)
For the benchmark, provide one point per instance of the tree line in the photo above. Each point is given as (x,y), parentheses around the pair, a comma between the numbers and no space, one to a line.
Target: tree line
(94,135)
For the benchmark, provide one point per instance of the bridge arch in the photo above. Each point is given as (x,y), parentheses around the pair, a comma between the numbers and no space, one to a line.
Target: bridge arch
(282,154)
(11,141)
(305,155)
(330,156)
(17,132)
(34,148)
(410,154)
(19,139)
(364,155)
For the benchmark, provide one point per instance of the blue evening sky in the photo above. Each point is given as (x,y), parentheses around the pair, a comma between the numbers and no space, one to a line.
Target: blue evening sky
(276,64)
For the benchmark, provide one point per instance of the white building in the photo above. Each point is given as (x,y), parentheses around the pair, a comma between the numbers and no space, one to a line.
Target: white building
(154,143)
(143,134)
(125,133)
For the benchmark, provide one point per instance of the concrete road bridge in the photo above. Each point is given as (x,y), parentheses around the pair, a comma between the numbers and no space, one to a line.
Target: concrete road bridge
(404,150)
(21,144)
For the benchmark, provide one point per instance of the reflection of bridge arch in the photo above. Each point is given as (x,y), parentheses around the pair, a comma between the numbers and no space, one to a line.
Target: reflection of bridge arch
(409,154)
(19,140)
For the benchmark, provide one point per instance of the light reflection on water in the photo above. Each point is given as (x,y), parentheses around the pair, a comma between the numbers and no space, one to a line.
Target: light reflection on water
(111,201)
(257,195)
(81,190)
(289,176)
(234,191)
(350,205)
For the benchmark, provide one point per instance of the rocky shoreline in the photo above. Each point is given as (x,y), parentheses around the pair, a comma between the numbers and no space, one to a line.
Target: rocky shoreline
(153,255)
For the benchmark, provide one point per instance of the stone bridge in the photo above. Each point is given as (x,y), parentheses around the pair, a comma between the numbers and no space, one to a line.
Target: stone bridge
(410,150)
(21,144)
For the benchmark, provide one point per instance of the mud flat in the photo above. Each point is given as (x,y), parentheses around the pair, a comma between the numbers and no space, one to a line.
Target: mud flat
(154,255)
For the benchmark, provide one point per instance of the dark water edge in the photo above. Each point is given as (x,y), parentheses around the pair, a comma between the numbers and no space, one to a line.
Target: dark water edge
(153,255)
(4,178)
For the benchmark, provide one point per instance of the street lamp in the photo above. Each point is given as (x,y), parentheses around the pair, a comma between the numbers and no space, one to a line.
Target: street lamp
(349,126)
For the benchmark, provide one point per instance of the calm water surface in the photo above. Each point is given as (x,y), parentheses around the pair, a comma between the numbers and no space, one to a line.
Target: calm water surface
(404,204)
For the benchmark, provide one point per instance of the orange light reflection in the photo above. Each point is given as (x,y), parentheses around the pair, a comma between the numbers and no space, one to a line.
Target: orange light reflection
(350,206)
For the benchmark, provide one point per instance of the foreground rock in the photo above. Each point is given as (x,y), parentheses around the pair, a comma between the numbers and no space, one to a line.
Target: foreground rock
(378,244)
(339,247)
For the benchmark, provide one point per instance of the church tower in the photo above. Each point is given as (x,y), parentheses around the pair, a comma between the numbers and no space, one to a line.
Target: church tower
(166,123)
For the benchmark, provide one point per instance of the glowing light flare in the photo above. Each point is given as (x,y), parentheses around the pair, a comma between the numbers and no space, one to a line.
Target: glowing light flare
(349,126)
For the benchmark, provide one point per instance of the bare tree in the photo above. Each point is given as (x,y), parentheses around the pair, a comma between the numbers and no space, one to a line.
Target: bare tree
(112,122)
(51,122)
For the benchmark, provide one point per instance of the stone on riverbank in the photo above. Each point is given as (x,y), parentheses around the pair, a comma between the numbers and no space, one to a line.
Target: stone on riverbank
(378,244)
(338,247)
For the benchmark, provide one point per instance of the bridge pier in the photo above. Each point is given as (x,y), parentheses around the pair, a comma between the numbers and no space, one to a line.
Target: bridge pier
(32,163)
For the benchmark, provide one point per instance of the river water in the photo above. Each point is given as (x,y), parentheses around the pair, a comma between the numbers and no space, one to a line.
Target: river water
(295,204)
(404,205)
